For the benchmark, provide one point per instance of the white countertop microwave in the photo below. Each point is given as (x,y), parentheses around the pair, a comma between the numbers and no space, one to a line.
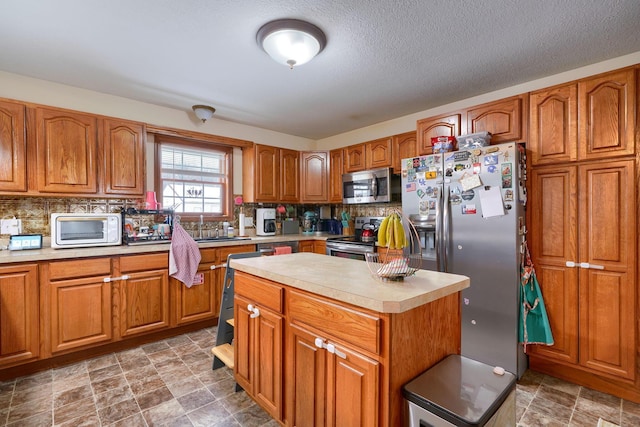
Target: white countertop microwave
(78,230)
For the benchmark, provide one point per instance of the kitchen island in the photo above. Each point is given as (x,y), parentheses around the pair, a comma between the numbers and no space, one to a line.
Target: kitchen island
(320,341)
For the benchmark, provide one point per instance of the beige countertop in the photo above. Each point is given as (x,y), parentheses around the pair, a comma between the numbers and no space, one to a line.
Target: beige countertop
(351,281)
(48,254)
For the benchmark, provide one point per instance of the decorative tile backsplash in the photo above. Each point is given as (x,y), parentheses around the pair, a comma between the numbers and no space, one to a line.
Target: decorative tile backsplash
(35,212)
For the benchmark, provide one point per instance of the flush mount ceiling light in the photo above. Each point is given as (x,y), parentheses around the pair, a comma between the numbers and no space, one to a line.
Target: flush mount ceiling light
(203,112)
(291,41)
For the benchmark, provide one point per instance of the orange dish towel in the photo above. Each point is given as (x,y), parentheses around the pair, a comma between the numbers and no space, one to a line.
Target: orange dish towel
(184,256)
(279,250)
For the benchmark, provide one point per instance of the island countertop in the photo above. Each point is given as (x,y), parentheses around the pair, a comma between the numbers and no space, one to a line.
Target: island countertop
(351,281)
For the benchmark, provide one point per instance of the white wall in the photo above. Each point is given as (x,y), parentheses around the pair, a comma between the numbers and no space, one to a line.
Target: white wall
(408,123)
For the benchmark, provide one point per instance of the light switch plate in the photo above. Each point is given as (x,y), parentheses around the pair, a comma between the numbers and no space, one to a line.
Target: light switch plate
(248,221)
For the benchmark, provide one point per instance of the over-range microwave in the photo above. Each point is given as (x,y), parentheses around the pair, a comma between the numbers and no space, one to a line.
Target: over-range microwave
(75,230)
(371,186)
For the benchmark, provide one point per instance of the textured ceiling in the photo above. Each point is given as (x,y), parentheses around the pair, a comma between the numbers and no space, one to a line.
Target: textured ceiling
(384,59)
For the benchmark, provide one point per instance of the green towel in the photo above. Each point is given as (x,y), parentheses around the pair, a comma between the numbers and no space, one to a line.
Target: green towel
(534,322)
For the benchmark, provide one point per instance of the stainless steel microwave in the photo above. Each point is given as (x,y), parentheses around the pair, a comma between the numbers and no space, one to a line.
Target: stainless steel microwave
(371,186)
(73,230)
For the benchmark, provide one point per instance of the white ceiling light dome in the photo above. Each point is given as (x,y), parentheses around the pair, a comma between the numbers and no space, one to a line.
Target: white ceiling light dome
(291,41)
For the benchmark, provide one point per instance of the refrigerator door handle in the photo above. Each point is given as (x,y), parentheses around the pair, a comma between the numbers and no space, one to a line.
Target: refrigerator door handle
(445,228)
(439,234)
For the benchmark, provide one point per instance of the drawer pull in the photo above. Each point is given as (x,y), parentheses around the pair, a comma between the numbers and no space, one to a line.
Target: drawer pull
(113,279)
(570,264)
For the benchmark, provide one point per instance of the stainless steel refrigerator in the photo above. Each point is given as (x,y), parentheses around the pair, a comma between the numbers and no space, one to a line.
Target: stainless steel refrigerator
(470,205)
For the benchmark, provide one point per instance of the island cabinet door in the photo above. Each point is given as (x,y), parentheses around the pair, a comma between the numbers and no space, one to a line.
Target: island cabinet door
(258,350)
(352,389)
(306,379)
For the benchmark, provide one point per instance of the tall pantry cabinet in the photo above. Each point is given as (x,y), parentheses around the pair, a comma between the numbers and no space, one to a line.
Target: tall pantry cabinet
(583,229)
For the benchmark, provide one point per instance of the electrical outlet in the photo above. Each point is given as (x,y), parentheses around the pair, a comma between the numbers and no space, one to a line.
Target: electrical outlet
(248,221)
(10,226)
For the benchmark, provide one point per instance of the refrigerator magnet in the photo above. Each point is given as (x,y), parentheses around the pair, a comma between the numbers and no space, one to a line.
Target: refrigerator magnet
(508,196)
(469,182)
(469,210)
(506,168)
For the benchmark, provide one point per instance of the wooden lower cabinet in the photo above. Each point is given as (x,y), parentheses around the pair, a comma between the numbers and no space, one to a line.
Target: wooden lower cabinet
(258,341)
(328,389)
(19,338)
(143,294)
(339,365)
(315,246)
(77,304)
(201,301)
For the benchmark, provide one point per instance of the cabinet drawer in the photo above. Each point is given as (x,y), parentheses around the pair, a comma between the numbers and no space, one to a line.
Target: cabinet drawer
(144,262)
(355,327)
(79,268)
(227,250)
(209,256)
(263,292)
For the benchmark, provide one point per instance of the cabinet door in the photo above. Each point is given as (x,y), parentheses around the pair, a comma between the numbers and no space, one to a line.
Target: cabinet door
(448,125)
(289,172)
(379,153)
(267,173)
(19,338)
(554,241)
(336,169)
(352,390)
(305,246)
(504,119)
(554,125)
(607,289)
(606,115)
(66,152)
(314,177)
(13,173)
(306,379)
(404,146)
(124,157)
(354,156)
(144,302)
(320,247)
(258,353)
(200,301)
(81,313)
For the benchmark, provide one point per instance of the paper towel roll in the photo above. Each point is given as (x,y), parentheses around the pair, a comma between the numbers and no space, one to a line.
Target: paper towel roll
(241,224)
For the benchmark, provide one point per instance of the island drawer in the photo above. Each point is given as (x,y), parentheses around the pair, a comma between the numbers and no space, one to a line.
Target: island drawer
(345,323)
(263,292)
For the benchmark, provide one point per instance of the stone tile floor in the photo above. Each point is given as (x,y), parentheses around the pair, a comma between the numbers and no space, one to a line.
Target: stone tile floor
(170,383)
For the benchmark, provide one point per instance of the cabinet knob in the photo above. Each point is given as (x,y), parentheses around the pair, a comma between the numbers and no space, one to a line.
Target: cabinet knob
(256,313)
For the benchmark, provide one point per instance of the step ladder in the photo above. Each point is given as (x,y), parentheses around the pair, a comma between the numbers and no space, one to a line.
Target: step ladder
(223,351)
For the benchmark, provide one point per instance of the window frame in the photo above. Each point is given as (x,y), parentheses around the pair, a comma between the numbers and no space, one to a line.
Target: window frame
(227,204)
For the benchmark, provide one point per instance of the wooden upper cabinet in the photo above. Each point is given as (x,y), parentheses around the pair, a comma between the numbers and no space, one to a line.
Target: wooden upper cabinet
(260,173)
(314,177)
(289,172)
(124,157)
(553,121)
(447,125)
(404,146)
(606,115)
(505,119)
(336,169)
(379,153)
(66,152)
(354,158)
(13,173)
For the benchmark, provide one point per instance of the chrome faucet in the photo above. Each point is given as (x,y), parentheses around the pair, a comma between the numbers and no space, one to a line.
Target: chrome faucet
(200,227)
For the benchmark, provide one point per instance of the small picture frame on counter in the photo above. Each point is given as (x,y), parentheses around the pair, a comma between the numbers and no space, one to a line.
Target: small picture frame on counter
(19,242)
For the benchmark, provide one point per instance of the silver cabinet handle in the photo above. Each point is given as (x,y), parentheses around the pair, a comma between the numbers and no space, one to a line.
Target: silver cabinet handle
(114,279)
(592,266)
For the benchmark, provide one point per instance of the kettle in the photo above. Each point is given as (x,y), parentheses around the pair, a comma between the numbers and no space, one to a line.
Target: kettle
(309,220)
(368,233)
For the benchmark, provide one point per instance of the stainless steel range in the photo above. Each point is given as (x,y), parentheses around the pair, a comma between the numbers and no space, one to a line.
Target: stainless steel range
(354,247)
